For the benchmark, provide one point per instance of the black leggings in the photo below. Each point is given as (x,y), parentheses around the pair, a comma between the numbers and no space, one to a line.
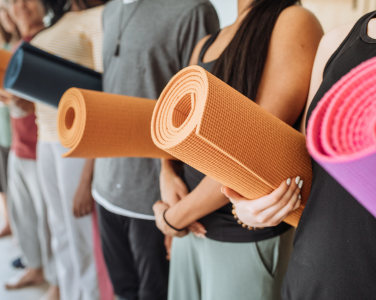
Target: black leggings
(135,256)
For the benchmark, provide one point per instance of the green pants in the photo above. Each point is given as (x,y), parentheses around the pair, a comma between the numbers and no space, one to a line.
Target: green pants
(204,269)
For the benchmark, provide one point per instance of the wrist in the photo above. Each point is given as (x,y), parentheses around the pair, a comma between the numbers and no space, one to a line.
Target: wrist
(169,220)
(167,166)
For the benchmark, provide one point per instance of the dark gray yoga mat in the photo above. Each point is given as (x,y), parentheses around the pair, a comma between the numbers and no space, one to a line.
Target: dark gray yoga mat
(36,75)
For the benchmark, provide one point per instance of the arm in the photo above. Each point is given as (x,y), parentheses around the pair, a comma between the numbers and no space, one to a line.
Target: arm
(272,209)
(283,92)
(83,200)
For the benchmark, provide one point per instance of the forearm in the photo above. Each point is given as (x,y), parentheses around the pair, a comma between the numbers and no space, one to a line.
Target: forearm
(87,173)
(203,200)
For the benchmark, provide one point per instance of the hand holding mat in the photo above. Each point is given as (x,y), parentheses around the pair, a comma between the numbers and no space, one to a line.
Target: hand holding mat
(5,57)
(341,133)
(212,127)
(36,75)
(95,124)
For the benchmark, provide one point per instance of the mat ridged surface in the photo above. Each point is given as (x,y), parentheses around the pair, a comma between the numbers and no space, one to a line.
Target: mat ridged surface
(95,124)
(209,125)
(341,133)
(5,57)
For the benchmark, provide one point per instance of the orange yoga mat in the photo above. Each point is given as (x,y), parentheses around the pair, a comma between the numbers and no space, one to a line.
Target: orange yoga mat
(5,57)
(209,125)
(95,124)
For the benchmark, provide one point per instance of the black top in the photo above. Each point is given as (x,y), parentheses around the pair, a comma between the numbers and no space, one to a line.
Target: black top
(221,225)
(334,253)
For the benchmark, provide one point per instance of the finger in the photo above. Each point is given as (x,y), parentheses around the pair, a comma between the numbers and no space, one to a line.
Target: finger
(182,233)
(285,211)
(197,228)
(232,195)
(159,207)
(271,211)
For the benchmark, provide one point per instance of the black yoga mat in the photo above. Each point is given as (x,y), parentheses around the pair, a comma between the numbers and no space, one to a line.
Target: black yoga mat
(36,75)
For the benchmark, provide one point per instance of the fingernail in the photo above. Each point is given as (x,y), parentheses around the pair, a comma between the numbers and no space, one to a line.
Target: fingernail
(297,179)
(288,181)
(300,184)
(201,235)
(300,197)
(222,190)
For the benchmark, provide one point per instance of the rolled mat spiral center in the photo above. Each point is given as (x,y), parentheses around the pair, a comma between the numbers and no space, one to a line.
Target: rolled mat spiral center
(209,125)
(341,134)
(95,124)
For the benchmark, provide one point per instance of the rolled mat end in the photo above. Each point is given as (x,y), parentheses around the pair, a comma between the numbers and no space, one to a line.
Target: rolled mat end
(218,131)
(95,124)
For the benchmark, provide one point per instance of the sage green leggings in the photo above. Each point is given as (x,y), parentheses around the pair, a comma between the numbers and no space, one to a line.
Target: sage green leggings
(204,269)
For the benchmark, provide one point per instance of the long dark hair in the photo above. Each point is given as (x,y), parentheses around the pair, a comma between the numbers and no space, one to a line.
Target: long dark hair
(57,8)
(242,63)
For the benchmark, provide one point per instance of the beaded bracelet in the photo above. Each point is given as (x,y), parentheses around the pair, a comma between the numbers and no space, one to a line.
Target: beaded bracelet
(241,223)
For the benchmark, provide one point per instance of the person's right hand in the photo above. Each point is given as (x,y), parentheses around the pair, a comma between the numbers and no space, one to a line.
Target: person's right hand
(270,210)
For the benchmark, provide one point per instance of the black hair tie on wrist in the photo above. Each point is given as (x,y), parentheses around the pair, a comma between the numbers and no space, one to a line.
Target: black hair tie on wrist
(164,218)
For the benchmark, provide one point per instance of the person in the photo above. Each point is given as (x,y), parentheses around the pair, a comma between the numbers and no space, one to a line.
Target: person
(26,205)
(145,43)
(75,34)
(267,55)
(333,255)
(9,36)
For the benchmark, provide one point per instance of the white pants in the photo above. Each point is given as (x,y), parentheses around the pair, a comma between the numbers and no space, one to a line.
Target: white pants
(29,217)
(72,242)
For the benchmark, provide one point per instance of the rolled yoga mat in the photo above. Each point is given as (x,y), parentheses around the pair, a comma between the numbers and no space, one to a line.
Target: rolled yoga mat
(341,133)
(209,125)
(36,75)
(95,124)
(5,57)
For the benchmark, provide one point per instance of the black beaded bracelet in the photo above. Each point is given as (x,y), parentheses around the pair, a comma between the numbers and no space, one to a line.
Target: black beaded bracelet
(164,218)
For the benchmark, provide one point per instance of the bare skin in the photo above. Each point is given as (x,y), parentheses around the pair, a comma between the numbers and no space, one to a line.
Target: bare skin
(247,210)
(284,85)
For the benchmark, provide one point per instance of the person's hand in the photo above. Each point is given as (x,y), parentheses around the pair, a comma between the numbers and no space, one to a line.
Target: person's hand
(83,201)
(197,229)
(172,186)
(5,97)
(168,245)
(159,208)
(25,105)
(270,210)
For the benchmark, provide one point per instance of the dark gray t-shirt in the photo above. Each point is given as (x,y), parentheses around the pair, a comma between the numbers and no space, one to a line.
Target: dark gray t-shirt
(156,44)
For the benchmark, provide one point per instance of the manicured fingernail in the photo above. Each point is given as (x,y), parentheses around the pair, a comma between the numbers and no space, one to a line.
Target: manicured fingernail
(201,235)
(288,181)
(300,184)
(300,197)
(297,179)
(222,190)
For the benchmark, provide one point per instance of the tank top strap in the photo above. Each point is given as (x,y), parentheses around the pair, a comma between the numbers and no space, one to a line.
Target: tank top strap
(358,31)
(206,46)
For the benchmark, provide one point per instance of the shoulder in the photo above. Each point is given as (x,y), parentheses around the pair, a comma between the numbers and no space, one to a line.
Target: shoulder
(196,52)
(188,7)
(298,19)
(93,12)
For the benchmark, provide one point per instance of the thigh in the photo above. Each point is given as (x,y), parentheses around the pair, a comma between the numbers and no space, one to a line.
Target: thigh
(185,269)
(149,252)
(117,253)
(243,271)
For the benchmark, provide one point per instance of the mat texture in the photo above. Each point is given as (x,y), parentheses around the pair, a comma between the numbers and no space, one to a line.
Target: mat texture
(341,133)
(209,125)
(95,124)
(5,57)
(36,75)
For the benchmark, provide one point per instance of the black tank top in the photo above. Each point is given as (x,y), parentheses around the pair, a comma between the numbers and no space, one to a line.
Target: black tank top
(221,225)
(334,256)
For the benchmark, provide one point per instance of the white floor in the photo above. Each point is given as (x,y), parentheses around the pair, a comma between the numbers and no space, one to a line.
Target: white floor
(8,253)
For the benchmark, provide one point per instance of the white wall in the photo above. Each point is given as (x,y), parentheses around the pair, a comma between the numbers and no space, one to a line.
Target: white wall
(227,11)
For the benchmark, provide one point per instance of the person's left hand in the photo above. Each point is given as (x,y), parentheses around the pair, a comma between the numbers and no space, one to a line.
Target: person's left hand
(25,105)
(83,201)
(159,208)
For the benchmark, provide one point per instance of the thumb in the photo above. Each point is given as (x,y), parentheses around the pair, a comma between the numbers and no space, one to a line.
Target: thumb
(234,197)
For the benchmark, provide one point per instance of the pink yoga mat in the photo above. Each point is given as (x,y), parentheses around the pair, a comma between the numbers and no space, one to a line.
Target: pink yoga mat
(341,133)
